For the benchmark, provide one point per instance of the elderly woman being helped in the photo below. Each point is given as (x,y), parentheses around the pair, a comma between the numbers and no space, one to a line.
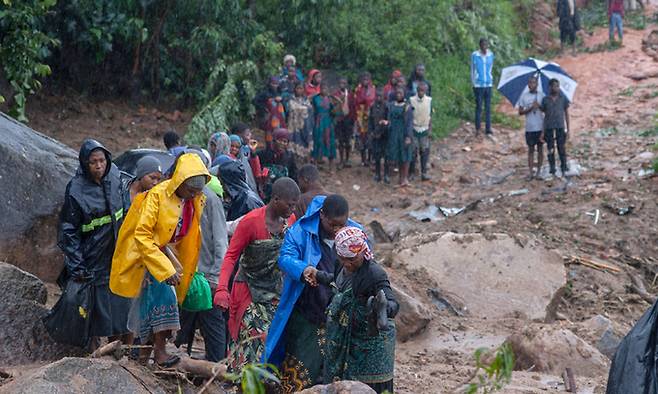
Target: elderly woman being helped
(360,342)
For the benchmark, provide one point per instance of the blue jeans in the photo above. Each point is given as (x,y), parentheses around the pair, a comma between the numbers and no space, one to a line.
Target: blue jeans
(483,95)
(616,22)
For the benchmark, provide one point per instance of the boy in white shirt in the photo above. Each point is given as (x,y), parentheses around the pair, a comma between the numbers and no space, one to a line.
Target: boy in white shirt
(421,105)
(530,106)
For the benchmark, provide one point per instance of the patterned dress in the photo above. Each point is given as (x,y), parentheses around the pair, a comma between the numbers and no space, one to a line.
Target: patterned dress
(324,140)
(351,350)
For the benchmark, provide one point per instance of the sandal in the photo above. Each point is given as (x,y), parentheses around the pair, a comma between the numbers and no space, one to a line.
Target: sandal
(170,362)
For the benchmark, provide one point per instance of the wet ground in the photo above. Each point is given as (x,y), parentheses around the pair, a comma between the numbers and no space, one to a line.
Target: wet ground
(607,213)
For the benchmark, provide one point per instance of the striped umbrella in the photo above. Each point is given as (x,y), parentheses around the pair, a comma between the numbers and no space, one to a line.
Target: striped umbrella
(514,79)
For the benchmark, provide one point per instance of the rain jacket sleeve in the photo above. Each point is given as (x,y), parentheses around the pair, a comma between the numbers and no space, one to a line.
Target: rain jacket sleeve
(70,236)
(154,259)
(292,253)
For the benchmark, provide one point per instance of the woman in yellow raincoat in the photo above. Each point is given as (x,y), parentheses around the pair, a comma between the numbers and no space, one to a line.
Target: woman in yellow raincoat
(163,222)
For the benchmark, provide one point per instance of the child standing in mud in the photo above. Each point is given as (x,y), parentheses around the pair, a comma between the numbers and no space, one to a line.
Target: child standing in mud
(556,116)
(529,105)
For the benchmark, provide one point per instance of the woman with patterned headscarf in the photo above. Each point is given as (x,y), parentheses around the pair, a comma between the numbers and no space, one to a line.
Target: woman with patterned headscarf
(219,144)
(360,336)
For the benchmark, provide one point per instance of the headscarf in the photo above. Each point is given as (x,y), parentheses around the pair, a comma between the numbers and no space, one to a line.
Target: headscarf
(222,141)
(280,134)
(147,165)
(350,241)
(310,89)
(234,138)
(274,78)
(289,57)
(396,74)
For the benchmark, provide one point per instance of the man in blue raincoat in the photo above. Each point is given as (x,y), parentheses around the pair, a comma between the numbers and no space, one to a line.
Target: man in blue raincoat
(297,330)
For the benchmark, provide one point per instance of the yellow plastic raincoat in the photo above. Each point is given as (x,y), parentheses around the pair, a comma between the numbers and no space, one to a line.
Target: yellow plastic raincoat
(149,226)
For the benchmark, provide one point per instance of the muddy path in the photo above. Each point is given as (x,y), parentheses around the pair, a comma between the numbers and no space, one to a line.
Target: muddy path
(611,145)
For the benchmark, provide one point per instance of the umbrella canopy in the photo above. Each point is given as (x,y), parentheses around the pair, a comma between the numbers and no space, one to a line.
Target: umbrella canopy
(514,79)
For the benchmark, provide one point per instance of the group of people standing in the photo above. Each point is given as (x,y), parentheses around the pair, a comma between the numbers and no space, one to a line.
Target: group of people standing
(389,126)
(291,282)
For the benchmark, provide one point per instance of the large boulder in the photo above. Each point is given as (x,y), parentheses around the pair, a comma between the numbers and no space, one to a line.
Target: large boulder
(551,349)
(82,376)
(412,318)
(493,275)
(340,387)
(34,171)
(25,338)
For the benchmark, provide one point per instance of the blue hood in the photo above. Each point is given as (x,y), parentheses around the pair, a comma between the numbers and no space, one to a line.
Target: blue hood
(311,220)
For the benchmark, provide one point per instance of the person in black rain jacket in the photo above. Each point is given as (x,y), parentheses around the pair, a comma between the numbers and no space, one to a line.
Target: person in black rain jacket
(89,222)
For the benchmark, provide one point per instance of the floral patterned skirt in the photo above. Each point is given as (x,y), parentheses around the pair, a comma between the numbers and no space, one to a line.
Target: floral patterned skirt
(250,345)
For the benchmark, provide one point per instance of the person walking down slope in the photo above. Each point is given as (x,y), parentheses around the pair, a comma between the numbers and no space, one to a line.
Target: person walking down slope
(616,19)
(569,23)
(482,62)
(89,221)
(157,248)
(256,290)
(360,343)
(297,331)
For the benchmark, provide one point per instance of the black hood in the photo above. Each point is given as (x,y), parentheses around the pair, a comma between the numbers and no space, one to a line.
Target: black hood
(88,146)
(233,178)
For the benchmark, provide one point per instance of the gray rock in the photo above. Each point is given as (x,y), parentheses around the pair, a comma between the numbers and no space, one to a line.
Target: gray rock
(18,284)
(599,331)
(34,171)
(341,387)
(25,338)
(82,376)
(412,318)
(551,349)
(493,275)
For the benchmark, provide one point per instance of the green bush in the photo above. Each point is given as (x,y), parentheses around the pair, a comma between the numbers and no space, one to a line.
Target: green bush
(24,48)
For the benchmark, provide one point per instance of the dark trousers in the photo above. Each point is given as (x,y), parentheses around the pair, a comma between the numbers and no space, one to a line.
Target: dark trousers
(212,324)
(483,96)
(421,147)
(553,136)
(379,154)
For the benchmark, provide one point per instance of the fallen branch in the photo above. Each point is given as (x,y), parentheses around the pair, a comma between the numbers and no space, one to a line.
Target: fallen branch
(637,285)
(593,264)
(112,348)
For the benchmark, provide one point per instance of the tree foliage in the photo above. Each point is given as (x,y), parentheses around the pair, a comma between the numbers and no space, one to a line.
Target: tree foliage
(24,48)
(214,54)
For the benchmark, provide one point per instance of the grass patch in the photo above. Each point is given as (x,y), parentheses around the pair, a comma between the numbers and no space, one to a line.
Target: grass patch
(606,132)
(505,120)
(628,92)
(652,132)
(635,20)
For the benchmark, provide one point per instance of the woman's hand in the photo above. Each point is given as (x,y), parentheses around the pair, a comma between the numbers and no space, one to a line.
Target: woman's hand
(221,298)
(173,280)
(309,276)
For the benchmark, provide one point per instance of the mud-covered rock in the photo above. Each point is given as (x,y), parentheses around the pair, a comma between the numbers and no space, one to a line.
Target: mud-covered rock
(34,171)
(24,337)
(412,318)
(341,387)
(493,275)
(551,349)
(82,376)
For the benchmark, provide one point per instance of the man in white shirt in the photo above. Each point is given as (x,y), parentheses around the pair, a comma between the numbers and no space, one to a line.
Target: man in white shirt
(421,104)
(529,105)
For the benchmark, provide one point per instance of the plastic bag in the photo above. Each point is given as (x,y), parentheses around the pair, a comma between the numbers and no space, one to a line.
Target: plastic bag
(69,321)
(633,367)
(198,296)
